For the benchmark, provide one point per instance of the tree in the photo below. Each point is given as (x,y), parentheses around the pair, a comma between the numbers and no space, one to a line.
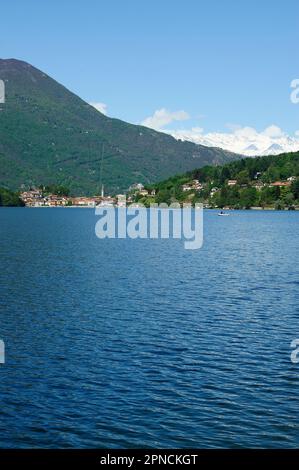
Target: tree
(10,198)
(163,196)
(243,177)
(295,188)
(248,197)
(289,199)
(225,174)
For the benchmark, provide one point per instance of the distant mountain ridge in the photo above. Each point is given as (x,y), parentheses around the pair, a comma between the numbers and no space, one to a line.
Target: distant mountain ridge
(247,141)
(48,135)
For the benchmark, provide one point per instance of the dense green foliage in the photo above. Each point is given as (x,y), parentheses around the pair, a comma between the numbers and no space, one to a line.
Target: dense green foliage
(272,168)
(10,198)
(50,136)
(253,176)
(55,189)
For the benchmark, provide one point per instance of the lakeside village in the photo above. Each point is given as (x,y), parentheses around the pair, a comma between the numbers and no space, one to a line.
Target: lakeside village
(190,192)
(41,197)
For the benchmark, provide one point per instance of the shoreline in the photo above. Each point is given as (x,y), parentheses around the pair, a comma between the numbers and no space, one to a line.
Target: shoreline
(260,209)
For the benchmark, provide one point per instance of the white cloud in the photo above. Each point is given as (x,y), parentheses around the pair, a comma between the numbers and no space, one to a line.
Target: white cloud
(248,133)
(273,131)
(245,140)
(102,107)
(162,117)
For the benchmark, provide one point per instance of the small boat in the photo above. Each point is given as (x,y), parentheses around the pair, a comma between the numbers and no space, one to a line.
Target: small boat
(223,214)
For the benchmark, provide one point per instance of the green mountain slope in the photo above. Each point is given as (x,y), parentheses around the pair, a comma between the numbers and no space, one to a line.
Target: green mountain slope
(261,181)
(50,136)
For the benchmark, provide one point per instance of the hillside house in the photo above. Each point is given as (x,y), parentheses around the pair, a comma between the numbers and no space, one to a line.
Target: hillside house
(280,184)
(193,185)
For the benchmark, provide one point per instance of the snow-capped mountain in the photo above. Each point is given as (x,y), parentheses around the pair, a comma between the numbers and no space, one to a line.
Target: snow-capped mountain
(245,141)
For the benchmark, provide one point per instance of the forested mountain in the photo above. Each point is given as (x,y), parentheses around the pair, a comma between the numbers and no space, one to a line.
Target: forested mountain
(48,135)
(263,181)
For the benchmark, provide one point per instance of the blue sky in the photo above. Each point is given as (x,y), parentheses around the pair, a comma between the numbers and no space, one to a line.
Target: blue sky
(222,62)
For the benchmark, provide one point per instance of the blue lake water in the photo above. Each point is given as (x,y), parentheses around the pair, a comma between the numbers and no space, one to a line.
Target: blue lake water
(141,343)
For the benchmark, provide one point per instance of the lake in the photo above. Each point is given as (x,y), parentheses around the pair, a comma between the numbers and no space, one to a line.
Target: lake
(141,343)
